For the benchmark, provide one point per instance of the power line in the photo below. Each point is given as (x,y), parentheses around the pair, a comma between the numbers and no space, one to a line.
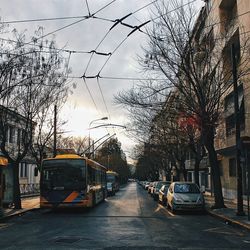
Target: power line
(117,21)
(117,78)
(61,50)
(71,24)
(43,19)
(87,4)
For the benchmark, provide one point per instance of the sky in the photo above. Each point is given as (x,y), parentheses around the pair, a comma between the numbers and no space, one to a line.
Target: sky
(92,99)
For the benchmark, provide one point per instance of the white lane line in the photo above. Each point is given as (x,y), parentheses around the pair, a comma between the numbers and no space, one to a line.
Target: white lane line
(166,210)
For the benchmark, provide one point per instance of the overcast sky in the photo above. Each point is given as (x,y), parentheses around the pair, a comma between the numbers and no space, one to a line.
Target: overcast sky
(85,36)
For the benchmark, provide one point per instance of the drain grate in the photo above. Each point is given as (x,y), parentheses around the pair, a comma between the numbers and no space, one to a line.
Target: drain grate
(67,239)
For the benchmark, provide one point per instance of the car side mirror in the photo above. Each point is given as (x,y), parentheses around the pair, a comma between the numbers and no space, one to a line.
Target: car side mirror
(202,189)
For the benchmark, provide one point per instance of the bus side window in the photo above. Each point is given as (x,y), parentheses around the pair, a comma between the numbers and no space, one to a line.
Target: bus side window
(89,175)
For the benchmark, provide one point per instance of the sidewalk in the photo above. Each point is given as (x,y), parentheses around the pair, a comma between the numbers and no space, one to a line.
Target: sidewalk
(228,214)
(28,203)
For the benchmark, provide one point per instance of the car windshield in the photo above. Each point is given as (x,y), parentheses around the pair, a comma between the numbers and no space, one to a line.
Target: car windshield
(186,188)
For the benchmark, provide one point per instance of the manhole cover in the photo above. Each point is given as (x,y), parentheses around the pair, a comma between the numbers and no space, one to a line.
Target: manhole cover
(67,239)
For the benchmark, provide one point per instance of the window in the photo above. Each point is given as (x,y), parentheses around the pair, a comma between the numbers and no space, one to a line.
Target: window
(11,134)
(23,172)
(229,100)
(229,111)
(232,167)
(36,171)
(228,14)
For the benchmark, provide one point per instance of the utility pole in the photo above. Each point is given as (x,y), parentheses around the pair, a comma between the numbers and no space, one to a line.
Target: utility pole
(240,210)
(55,131)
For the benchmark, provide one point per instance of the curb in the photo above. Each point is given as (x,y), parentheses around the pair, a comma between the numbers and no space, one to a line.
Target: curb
(229,220)
(17,213)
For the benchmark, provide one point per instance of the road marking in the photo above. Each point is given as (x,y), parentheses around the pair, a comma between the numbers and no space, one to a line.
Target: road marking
(166,210)
(4,225)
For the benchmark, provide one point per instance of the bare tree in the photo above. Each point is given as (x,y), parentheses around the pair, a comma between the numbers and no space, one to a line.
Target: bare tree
(44,131)
(195,64)
(31,75)
(77,143)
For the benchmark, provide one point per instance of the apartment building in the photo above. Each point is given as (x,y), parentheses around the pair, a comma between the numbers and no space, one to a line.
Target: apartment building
(223,25)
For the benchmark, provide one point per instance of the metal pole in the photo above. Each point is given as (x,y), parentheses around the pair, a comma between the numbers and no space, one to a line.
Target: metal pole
(240,210)
(248,184)
(1,192)
(55,124)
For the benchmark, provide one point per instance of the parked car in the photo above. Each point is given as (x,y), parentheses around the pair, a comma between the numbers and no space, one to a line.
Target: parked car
(150,187)
(185,196)
(146,185)
(158,187)
(163,194)
(153,187)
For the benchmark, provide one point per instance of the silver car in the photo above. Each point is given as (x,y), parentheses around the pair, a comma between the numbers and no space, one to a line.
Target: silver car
(185,196)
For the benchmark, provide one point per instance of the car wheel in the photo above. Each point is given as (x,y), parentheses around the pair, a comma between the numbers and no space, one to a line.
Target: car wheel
(164,202)
(93,200)
(172,208)
(159,200)
(168,207)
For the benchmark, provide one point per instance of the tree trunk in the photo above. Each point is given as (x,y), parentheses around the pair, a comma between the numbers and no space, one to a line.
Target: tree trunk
(215,171)
(183,170)
(196,171)
(16,186)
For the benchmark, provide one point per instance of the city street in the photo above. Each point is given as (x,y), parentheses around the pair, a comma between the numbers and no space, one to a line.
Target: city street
(129,220)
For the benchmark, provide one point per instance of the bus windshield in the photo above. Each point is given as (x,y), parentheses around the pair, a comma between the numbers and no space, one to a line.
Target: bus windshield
(64,174)
(110,178)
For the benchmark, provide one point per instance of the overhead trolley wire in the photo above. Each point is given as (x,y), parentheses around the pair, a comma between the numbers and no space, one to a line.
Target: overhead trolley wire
(71,24)
(87,4)
(93,100)
(116,22)
(103,99)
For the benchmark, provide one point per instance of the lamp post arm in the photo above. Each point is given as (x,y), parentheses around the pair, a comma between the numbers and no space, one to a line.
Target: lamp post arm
(108,125)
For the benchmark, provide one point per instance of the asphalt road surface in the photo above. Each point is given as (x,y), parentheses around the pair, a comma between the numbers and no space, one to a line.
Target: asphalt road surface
(129,220)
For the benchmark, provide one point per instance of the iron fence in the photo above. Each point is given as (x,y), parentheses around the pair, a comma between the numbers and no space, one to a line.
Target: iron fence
(29,189)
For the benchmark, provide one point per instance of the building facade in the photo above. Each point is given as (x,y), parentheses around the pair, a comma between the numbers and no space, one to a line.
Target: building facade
(29,178)
(225,25)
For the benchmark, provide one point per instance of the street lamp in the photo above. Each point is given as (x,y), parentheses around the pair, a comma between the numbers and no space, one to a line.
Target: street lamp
(100,119)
